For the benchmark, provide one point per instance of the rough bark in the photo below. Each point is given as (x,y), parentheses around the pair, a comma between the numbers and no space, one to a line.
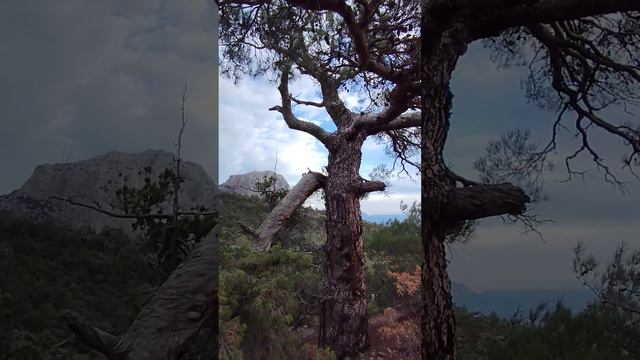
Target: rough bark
(481,201)
(447,27)
(277,219)
(176,322)
(492,21)
(345,310)
(344,318)
(203,344)
(441,48)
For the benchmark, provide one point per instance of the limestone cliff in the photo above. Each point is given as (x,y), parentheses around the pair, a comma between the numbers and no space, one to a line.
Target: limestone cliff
(94,181)
(245,184)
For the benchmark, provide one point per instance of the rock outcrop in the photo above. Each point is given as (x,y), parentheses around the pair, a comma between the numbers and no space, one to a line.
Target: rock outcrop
(95,181)
(246,184)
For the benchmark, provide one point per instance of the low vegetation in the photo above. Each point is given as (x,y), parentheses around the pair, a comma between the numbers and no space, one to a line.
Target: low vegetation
(269,302)
(47,267)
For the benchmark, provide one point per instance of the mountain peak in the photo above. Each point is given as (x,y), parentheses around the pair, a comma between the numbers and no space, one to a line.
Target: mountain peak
(95,181)
(245,184)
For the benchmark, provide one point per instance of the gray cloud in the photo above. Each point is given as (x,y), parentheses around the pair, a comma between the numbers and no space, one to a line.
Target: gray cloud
(85,77)
(501,257)
(489,102)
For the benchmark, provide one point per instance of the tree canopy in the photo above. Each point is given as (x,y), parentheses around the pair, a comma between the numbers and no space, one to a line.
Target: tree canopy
(582,59)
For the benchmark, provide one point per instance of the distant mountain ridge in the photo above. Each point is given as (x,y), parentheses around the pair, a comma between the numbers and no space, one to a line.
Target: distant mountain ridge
(382,218)
(245,184)
(94,181)
(506,303)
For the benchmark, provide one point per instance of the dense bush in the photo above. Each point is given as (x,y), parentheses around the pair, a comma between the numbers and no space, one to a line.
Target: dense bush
(45,268)
(597,333)
(262,296)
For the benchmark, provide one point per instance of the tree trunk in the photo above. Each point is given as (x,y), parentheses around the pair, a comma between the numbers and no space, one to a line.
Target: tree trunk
(440,53)
(438,324)
(180,312)
(345,310)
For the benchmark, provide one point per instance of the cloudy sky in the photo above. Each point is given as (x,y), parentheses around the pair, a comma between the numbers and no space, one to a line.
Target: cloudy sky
(487,103)
(81,78)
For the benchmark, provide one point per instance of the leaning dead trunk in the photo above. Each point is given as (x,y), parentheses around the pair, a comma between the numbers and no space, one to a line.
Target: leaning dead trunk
(280,215)
(344,313)
(179,322)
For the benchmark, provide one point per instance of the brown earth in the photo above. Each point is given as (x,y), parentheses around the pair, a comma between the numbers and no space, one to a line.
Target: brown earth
(392,335)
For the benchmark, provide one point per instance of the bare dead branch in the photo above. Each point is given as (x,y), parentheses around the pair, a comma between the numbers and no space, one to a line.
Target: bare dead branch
(111,213)
(370,186)
(402,144)
(91,336)
(308,103)
(464,181)
(574,66)
(132,216)
(248,229)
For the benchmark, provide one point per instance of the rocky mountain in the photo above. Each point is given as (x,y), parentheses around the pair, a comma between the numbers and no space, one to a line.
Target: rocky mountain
(245,184)
(95,181)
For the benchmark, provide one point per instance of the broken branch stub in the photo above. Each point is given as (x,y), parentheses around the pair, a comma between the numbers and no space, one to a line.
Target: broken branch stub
(95,338)
(481,201)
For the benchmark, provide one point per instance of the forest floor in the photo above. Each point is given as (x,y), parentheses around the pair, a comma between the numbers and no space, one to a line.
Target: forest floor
(392,335)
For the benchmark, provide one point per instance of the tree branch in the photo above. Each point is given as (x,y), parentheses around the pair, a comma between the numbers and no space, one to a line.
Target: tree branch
(308,103)
(285,109)
(497,19)
(407,120)
(464,181)
(248,229)
(370,186)
(132,216)
(356,29)
(111,213)
(91,336)
(574,70)
(399,99)
(180,313)
(481,201)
